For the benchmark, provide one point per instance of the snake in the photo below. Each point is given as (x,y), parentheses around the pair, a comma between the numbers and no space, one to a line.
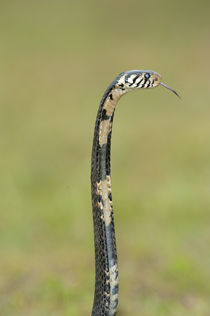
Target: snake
(106,266)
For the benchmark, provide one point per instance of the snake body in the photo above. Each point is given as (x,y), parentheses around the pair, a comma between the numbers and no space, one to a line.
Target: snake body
(106,269)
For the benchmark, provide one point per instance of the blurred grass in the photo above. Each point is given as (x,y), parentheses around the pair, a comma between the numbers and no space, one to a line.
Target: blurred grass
(57,58)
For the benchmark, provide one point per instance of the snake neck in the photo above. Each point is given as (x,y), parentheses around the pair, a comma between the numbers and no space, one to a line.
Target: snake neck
(106,269)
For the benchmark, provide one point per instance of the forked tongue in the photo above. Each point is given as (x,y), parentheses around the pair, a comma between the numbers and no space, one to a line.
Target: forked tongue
(164,85)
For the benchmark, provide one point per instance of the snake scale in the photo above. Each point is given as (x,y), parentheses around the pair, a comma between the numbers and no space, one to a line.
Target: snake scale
(106,269)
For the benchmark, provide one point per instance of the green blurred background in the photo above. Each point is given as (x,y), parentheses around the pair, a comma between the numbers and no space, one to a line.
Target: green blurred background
(56,60)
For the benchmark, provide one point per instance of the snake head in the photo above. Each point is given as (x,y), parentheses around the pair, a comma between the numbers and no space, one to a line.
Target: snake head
(140,79)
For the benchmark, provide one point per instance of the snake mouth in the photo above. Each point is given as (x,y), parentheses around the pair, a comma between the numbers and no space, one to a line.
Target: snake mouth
(164,85)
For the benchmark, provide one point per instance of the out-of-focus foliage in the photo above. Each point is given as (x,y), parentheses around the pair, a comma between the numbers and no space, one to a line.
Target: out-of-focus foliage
(56,59)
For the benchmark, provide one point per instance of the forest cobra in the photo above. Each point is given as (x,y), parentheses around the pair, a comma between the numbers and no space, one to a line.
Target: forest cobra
(106,269)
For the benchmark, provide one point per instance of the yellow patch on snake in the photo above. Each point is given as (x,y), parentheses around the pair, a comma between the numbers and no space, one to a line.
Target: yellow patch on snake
(105,128)
(110,104)
(107,209)
(103,188)
(113,285)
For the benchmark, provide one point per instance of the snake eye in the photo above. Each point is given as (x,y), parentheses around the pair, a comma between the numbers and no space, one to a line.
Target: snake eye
(147,75)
